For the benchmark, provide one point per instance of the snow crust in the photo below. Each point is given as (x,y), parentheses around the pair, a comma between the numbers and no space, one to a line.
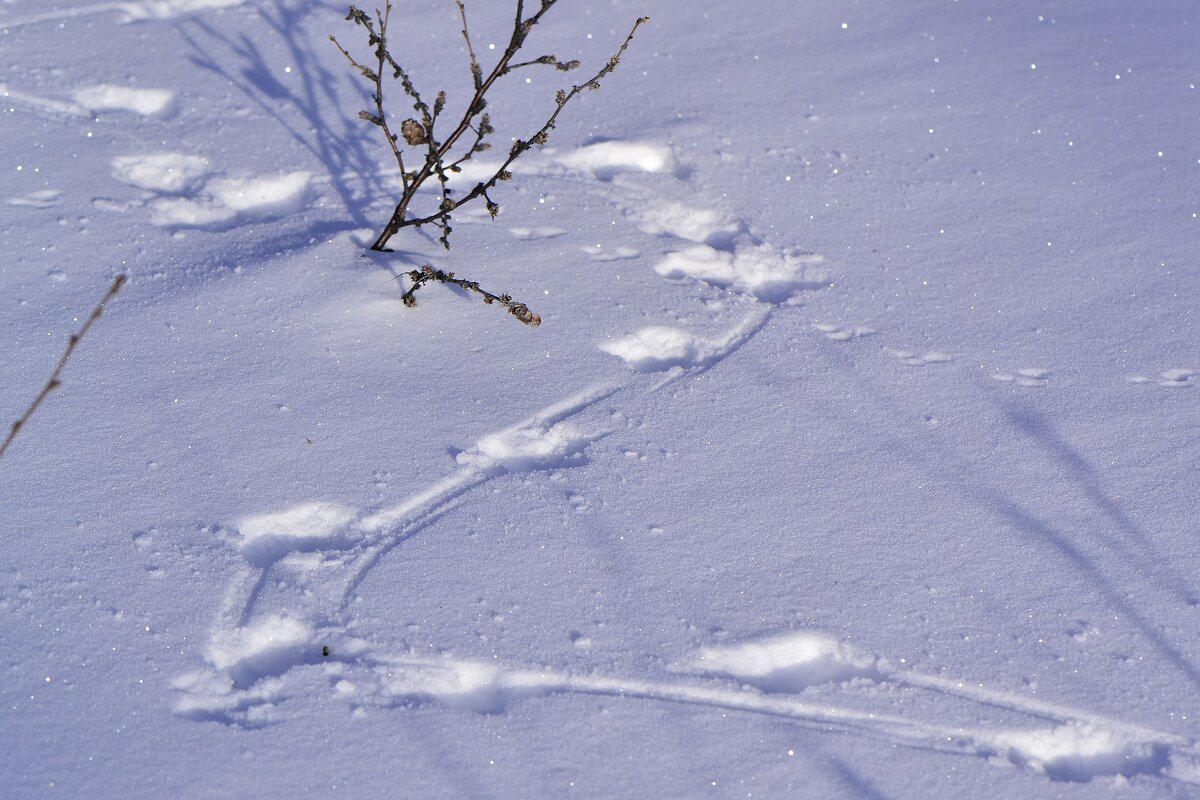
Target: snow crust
(855,456)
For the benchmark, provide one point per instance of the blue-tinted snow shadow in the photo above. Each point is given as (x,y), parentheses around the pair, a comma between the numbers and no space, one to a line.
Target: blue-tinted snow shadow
(944,463)
(859,786)
(339,143)
(346,146)
(1135,546)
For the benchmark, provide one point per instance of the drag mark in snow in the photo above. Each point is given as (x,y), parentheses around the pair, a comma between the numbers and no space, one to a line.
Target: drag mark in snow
(312,557)
(772,674)
(44,107)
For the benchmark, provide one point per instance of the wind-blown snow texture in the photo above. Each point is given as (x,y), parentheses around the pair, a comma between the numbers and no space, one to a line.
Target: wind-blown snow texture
(856,455)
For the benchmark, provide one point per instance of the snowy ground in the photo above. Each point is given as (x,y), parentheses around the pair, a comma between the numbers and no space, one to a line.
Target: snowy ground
(856,455)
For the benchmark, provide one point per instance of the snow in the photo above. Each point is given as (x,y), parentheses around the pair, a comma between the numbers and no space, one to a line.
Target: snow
(855,455)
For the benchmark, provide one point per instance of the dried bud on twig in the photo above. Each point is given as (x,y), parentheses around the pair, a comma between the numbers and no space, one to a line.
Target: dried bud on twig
(413,132)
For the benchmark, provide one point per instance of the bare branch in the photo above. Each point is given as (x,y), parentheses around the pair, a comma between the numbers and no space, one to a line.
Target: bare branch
(442,157)
(541,136)
(72,342)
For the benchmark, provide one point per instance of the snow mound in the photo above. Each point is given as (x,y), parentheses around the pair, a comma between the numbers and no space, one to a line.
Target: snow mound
(769,274)
(306,527)
(606,160)
(170,173)
(701,225)
(147,102)
(265,647)
(1080,752)
(786,663)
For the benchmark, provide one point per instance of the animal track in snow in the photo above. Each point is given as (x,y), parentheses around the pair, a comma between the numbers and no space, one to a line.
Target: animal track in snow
(147,102)
(599,253)
(700,225)
(914,359)
(606,160)
(839,333)
(775,676)
(771,275)
(657,348)
(1024,377)
(167,173)
(43,198)
(195,200)
(787,663)
(314,555)
(544,232)
(1170,377)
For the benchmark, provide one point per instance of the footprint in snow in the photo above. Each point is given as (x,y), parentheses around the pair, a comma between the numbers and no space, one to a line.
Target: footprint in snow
(770,275)
(844,333)
(1170,378)
(543,232)
(598,253)
(700,225)
(1024,377)
(189,197)
(658,347)
(606,160)
(160,103)
(43,198)
(911,358)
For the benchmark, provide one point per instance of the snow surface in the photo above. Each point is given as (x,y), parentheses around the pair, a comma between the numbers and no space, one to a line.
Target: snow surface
(856,455)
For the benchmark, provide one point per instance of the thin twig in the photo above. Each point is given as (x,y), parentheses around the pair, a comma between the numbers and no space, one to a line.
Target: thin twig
(538,138)
(435,161)
(476,72)
(72,343)
(428,274)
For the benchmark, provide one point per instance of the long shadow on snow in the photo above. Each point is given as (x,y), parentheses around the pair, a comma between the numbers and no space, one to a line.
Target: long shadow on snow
(953,470)
(341,150)
(1136,546)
